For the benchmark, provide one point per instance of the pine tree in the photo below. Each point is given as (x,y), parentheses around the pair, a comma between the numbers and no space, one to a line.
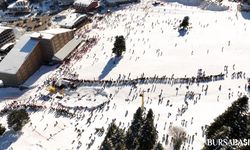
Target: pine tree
(134,130)
(247,147)
(17,119)
(148,136)
(2,130)
(159,146)
(119,140)
(119,46)
(185,22)
(232,124)
(114,139)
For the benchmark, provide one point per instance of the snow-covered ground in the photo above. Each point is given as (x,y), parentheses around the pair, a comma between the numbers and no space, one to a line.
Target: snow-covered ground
(216,43)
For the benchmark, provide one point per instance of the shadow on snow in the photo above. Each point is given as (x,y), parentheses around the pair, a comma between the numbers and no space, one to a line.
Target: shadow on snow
(112,63)
(8,138)
(245,15)
(182,32)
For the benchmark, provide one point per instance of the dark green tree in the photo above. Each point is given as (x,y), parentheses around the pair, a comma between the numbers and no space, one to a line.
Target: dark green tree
(185,23)
(232,124)
(2,130)
(3,5)
(133,133)
(149,135)
(159,146)
(114,139)
(119,46)
(17,119)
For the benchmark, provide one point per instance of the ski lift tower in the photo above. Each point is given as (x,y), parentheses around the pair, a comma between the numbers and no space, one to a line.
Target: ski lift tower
(142,99)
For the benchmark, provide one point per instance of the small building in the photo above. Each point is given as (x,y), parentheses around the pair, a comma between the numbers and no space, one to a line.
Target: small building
(30,53)
(85,5)
(73,20)
(20,6)
(6,35)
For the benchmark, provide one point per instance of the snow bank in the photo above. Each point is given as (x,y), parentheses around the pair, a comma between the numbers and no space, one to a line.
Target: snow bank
(213,6)
(203,4)
(187,2)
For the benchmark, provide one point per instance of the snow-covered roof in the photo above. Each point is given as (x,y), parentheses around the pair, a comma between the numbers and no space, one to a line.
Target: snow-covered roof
(56,31)
(67,49)
(18,54)
(83,2)
(49,34)
(72,19)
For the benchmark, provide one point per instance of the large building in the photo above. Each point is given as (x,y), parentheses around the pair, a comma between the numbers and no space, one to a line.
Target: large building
(6,35)
(30,53)
(53,40)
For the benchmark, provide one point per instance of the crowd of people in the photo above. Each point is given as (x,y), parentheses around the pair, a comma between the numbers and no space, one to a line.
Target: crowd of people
(147,80)
(89,115)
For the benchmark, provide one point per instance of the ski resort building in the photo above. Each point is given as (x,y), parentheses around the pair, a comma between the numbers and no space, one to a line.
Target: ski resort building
(30,53)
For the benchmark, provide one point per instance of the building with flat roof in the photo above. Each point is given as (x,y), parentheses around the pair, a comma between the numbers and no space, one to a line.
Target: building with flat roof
(30,53)
(67,49)
(6,35)
(53,40)
(73,20)
(15,67)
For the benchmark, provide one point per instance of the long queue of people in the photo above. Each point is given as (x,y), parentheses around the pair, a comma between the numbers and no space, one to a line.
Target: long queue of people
(147,80)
